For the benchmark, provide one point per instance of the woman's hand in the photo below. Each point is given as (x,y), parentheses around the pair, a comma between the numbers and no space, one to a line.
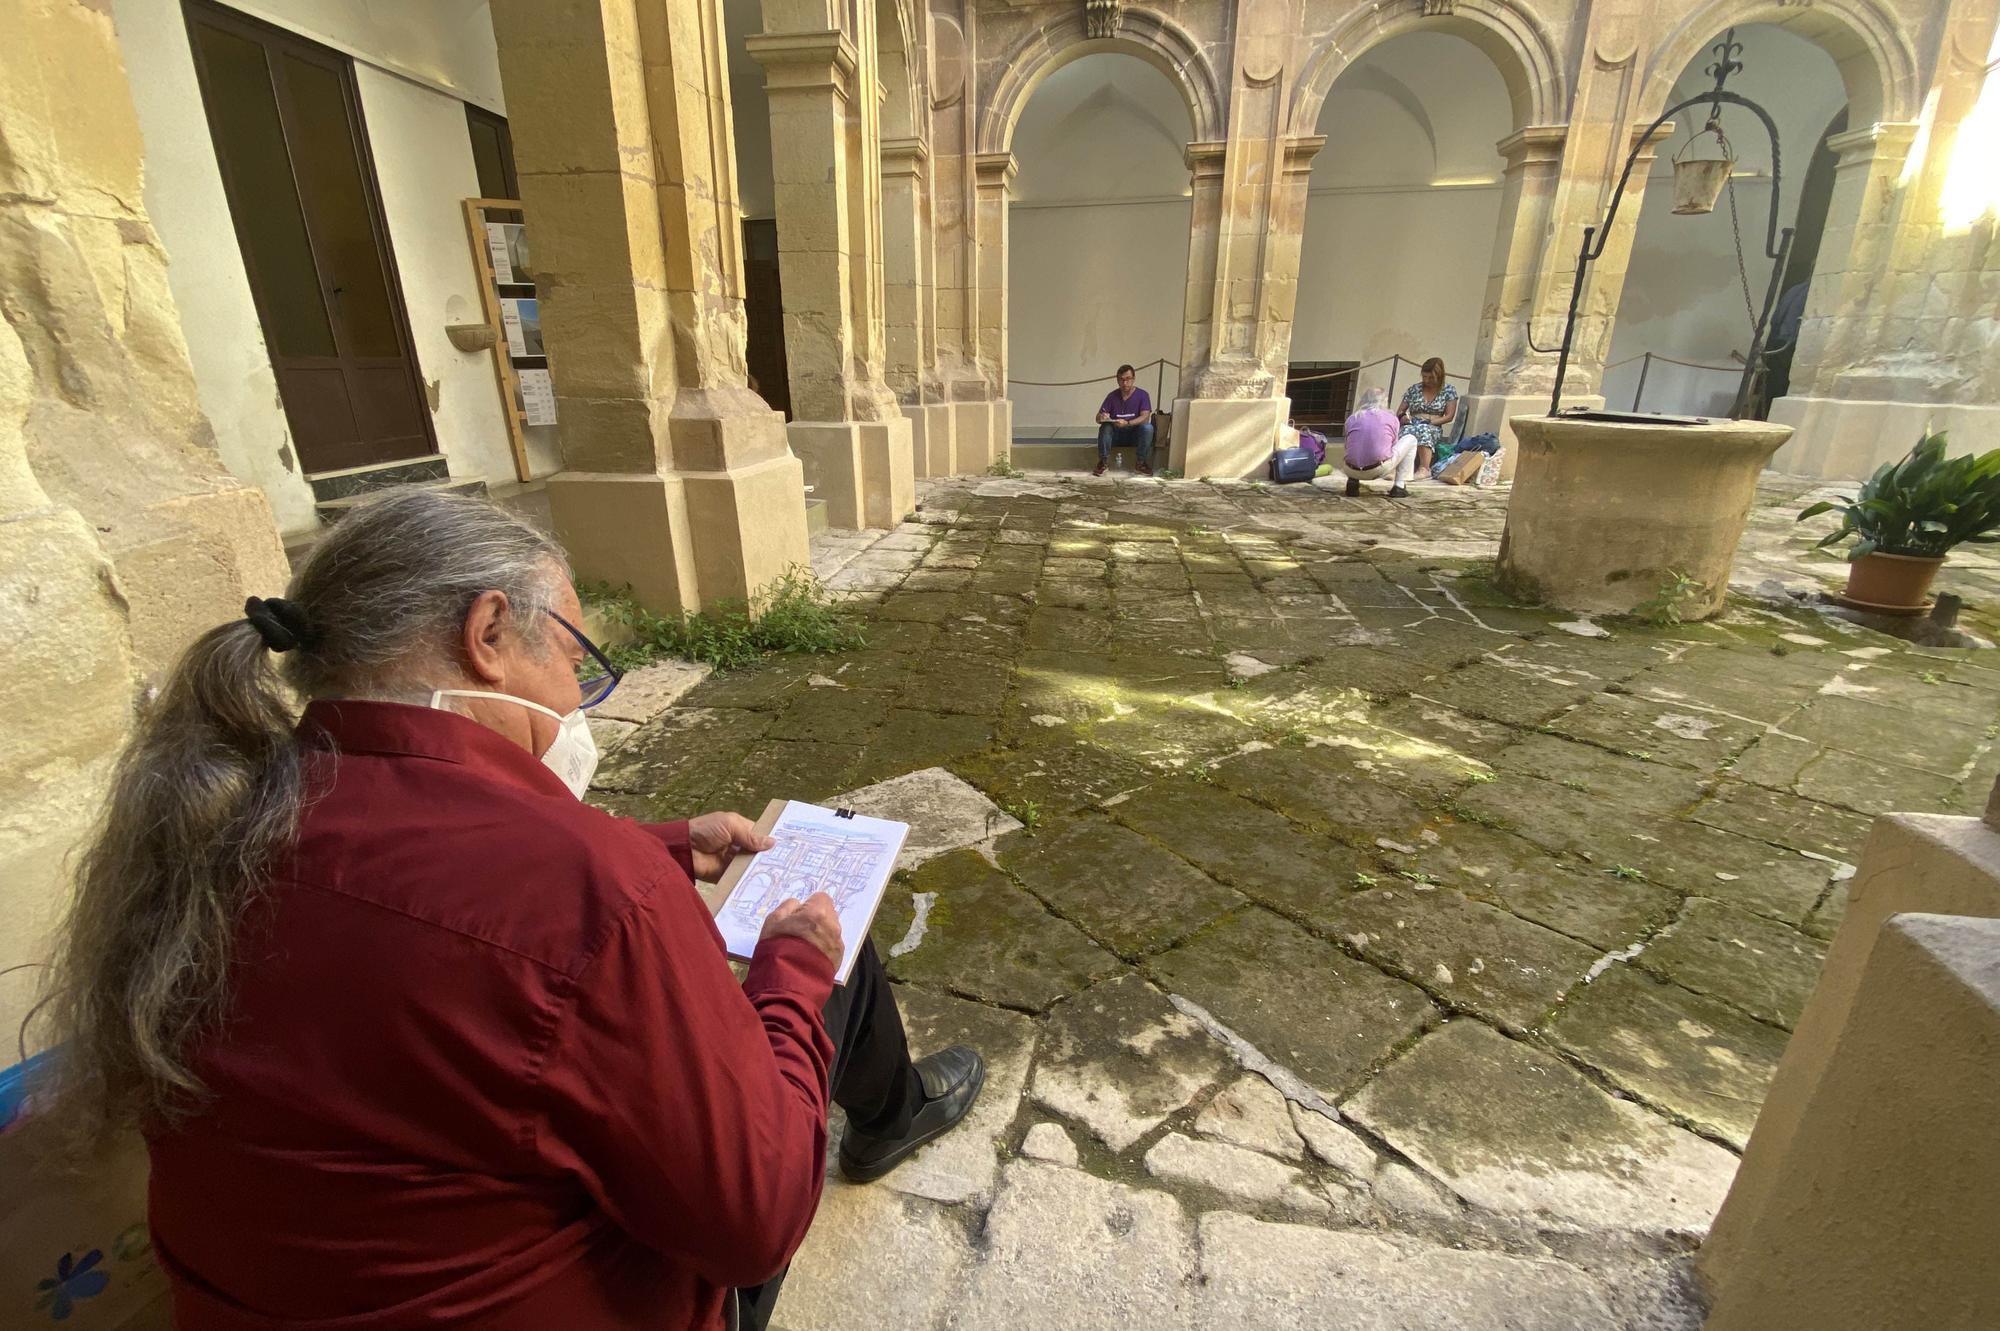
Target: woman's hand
(715,838)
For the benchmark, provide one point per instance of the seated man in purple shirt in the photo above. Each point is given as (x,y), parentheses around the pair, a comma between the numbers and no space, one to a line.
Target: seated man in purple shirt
(1125,418)
(1373,448)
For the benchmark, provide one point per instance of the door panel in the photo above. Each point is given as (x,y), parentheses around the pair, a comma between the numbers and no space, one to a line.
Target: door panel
(250,141)
(288,134)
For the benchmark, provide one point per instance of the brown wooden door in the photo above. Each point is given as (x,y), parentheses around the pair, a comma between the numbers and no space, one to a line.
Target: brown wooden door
(287,127)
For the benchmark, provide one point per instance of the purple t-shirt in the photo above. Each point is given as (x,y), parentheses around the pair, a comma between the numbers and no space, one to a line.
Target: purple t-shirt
(1123,409)
(1371,437)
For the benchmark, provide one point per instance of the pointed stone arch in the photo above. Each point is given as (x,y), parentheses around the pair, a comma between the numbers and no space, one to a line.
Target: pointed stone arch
(1152,37)
(1510,34)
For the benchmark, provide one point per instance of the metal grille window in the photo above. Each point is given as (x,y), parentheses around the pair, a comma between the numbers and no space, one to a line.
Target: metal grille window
(1321,393)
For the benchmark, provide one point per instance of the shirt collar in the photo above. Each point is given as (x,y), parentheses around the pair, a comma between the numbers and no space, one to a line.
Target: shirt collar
(394,729)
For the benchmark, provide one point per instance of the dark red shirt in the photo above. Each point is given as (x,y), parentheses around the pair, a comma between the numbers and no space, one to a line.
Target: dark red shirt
(486,1064)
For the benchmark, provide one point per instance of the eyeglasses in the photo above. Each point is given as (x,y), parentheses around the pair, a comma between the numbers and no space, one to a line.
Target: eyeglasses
(595,676)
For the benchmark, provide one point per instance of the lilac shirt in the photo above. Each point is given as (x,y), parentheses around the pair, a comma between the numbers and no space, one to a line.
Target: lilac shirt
(1371,437)
(1121,410)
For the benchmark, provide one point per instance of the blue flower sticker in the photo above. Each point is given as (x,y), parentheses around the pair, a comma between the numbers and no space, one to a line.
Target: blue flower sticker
(73,1280)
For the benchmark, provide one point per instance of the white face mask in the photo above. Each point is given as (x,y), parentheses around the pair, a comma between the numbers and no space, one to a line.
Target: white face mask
(573,756)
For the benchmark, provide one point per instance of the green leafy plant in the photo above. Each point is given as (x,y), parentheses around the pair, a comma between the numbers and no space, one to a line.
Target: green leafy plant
(1627,872)
(1664,606)
(1920,506)
(1027,813)
(1004,466)
(1364,879)
(791,615)
(1168,474)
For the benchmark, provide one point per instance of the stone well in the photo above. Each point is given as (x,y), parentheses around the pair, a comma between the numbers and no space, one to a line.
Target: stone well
(1607,517)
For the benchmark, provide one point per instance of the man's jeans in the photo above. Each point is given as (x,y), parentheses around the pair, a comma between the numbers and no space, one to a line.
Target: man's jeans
(1141,435)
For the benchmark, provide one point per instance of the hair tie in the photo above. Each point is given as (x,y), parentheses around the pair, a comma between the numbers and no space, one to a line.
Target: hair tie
(280,623)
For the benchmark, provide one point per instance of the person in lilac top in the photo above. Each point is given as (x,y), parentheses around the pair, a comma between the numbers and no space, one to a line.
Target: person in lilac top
(1375,445)
(1126,417)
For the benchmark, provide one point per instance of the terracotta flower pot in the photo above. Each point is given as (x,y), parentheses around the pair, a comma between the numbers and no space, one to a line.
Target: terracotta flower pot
(1891,584)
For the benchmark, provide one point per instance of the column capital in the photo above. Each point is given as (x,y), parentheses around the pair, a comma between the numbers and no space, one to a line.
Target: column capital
(994,169)
(904,157)
(1206,158)
(1533,143)
(1300,151)
(1648,145)
(1871,141)
(803,59)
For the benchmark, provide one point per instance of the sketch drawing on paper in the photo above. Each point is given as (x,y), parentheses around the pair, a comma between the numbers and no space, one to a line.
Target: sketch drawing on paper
(807,859)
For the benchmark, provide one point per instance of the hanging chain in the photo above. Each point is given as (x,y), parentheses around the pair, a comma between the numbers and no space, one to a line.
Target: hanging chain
(1736,231)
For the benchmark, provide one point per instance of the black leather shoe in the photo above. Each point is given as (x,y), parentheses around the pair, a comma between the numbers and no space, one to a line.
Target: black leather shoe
(1353,488)
(1398,492)
(951,1080)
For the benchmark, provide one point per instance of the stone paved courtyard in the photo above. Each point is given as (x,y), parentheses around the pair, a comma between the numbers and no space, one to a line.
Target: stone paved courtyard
(1350,947)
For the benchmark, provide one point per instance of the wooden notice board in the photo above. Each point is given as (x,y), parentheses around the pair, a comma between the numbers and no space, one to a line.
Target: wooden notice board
(507,294)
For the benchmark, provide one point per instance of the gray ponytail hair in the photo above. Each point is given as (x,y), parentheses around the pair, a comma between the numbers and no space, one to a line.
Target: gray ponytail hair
(212,784)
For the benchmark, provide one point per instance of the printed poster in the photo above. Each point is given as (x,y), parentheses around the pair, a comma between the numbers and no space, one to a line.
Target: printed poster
(538,397)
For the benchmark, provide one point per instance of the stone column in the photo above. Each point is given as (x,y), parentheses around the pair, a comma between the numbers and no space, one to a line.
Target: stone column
(121,536)
(1899,334)
(677,481)
(847,428)
(1243,246)
(993,175)
(910,304)
(1509,377)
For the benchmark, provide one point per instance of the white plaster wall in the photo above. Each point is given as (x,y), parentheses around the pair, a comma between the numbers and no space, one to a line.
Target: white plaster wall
(1401,208)
(1097,237)
(424,166)
(414,64)
(184,196)
(1683,296)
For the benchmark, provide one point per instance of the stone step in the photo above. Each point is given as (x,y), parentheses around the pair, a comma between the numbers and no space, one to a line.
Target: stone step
(332,510)
(350,481)
(816,520)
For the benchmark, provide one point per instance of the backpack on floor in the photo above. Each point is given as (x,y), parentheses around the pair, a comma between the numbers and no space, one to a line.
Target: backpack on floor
(1292,464)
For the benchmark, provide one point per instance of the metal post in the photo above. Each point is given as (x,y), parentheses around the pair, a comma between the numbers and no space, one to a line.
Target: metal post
(1583,258)
(1645,364)
(1753,362)
(1395,360)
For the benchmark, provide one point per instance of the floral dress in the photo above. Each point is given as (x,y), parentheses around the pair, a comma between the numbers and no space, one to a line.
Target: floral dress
(1425,433)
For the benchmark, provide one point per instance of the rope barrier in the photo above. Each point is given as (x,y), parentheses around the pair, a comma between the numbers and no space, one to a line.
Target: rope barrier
(1669,360)
(1100,379)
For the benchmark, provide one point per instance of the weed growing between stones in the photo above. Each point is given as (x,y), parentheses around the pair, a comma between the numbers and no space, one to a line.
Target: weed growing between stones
(1663,608)
(790,616)
(1627,872)
(1004,467)
(1027,813)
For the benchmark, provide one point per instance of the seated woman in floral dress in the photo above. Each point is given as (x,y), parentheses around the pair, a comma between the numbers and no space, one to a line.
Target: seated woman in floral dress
(1429,408)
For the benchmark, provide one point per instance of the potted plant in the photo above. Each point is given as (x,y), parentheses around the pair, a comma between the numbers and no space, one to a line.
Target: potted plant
(1908,516)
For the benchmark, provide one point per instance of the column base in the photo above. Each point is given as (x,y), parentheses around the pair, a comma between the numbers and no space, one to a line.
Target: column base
(1843,440)
(629,530)
(920,428)
(189,562)
(1225,438)
(940,442)
(973,438)
(747,527)
(1490,413)
(862,469)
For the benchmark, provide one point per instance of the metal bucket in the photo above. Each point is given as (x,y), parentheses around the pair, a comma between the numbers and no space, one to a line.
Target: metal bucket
(1698,183)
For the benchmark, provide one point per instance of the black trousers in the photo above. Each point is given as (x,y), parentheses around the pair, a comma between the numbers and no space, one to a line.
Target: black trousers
(872,1080)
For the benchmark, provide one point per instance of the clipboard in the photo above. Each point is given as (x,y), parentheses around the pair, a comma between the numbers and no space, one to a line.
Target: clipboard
(847,855)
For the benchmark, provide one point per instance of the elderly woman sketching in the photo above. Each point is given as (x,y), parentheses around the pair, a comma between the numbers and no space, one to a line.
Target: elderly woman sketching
(1429,408)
